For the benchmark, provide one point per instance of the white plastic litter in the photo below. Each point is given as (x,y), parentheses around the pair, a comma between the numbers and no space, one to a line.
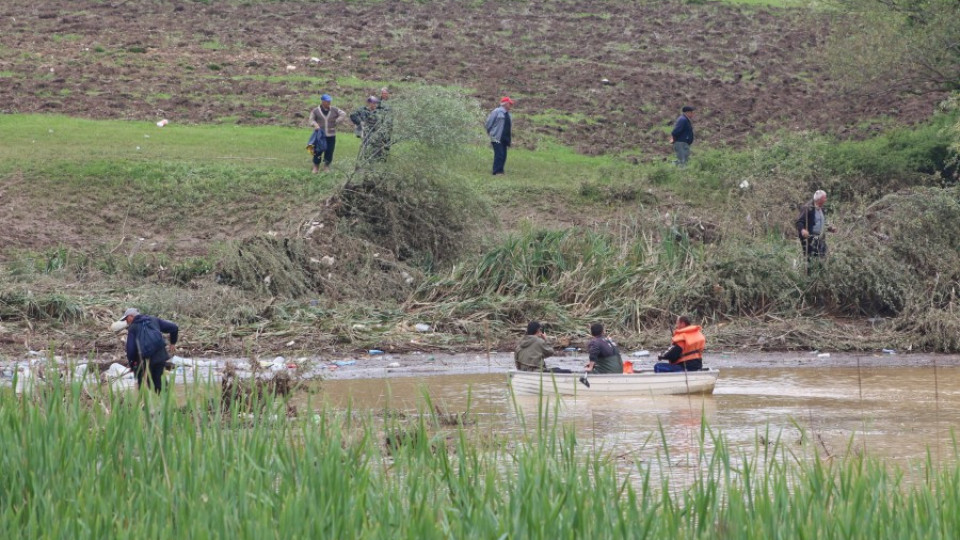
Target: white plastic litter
(393,364)
(421,327)
(163,123)
(118,326)
(638,354)
(79,372)
(115,370)
(25,379)
(823,355)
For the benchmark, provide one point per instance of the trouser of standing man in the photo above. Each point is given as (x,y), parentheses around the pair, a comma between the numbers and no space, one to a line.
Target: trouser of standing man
(815,249)
(682,150)
(499,157)
(155,367)
(327,155)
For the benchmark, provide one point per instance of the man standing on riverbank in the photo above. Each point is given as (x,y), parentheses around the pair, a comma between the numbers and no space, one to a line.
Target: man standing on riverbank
(811,226)
(686,349)
(374,123)
(146,348)
(682,135)
(326,118)
(499,126)
(604,353)
(533,349)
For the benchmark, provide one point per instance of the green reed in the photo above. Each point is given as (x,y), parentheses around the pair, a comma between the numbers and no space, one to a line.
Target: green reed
(82,465)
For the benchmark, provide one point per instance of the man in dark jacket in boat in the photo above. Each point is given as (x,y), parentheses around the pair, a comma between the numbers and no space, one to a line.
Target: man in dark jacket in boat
(686,350)
(604,354)
(533,349)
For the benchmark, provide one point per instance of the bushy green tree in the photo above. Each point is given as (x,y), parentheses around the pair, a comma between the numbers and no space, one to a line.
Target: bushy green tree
(410,200)
(897,45)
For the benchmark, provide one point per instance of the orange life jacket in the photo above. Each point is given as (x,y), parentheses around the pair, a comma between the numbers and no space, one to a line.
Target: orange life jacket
(691,341)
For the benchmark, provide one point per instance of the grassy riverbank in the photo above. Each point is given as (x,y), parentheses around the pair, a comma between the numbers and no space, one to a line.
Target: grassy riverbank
(83,465)
(162,217)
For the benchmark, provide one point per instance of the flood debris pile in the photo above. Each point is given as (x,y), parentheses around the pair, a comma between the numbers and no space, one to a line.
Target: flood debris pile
(895,260)
(339,267)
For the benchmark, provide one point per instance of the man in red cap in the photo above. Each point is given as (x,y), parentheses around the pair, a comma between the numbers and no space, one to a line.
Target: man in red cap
(498,127)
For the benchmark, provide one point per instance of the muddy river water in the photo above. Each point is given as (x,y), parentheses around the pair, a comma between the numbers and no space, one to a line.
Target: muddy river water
(891,412)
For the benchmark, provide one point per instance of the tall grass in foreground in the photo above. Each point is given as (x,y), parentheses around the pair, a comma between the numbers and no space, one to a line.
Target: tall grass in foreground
(114,466)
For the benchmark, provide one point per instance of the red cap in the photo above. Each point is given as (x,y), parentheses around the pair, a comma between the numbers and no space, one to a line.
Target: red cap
(506,99)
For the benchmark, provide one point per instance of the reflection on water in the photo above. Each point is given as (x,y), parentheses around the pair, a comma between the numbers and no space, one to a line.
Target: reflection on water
(895,413)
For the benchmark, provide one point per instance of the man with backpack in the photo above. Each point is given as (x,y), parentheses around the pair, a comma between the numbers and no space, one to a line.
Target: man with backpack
(146,347)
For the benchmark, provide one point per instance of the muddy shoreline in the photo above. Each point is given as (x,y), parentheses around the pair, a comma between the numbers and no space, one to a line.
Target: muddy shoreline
(329,369)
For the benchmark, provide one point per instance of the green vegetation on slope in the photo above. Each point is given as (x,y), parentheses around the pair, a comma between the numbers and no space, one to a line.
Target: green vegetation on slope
(244,247)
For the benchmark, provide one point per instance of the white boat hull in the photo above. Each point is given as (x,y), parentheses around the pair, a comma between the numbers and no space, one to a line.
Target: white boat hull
(642,383)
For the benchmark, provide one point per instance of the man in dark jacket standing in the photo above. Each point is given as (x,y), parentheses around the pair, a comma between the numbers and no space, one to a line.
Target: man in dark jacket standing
(682,135)
(146,348)
(811,226)
(376,128)
(499,127)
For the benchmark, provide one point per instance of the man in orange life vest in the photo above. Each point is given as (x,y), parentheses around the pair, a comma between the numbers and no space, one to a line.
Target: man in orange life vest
(686,351)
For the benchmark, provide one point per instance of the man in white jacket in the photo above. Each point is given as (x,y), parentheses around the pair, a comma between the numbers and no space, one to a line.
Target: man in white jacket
(498,127)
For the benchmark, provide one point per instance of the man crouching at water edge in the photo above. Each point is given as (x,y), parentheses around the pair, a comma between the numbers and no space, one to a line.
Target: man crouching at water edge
(604,354)
(686,351)
(146,348)
(533,349)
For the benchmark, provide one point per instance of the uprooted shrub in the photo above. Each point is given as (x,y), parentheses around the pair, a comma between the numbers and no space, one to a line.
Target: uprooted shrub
(420,219)
(252,394)
(412,203)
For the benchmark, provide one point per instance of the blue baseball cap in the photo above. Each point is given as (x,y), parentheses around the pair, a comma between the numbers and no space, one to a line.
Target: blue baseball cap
(326,97)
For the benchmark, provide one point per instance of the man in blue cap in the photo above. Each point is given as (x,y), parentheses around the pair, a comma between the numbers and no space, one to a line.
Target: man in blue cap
(326,118)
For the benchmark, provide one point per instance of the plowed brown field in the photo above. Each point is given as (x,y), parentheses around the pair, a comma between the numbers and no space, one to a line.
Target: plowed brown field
(748,70)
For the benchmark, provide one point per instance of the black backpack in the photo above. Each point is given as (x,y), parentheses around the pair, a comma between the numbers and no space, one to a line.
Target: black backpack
(149,338)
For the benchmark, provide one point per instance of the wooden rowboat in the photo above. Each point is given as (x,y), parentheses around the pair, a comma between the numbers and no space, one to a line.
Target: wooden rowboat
(637,384)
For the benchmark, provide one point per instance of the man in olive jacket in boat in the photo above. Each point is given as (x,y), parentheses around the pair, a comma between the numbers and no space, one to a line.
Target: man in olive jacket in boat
(533,349)
(604,354)
(686,350)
